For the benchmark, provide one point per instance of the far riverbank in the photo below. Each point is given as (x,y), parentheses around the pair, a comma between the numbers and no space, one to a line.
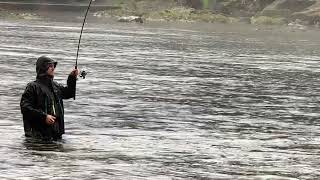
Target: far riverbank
(177,17)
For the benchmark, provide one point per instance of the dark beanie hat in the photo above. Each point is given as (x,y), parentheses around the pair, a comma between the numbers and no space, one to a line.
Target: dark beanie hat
(42,65)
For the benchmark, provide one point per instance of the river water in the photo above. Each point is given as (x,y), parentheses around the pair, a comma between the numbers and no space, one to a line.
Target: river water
(166,102)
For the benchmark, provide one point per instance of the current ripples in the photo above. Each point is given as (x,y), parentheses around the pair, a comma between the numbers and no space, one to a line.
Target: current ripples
(164,103)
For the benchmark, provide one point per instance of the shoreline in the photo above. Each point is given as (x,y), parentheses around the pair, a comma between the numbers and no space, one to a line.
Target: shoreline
(156,10)
(53,15)
(147,11)
(204,27)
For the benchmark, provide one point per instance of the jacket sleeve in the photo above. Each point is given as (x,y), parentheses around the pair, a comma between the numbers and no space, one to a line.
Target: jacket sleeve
(28,104)
(69,90)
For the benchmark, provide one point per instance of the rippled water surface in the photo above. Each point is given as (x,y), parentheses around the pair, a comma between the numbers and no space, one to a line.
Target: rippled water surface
(167,103)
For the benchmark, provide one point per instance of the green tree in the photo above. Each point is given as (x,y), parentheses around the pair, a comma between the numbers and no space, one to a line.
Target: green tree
(205,4)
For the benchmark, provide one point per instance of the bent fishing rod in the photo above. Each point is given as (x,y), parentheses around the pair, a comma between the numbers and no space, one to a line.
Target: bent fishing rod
(83,73)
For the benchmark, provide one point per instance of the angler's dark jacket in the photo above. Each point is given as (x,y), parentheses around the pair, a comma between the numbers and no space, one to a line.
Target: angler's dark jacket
(42,97)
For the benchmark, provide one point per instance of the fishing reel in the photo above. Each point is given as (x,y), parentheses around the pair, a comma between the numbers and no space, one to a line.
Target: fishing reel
(83,74)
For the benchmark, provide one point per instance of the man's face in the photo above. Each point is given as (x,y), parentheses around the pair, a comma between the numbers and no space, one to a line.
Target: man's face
(51,70)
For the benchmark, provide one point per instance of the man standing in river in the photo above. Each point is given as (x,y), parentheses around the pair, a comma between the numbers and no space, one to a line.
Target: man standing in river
(41,103)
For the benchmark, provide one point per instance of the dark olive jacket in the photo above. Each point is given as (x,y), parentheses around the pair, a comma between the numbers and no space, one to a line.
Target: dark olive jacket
(40,98)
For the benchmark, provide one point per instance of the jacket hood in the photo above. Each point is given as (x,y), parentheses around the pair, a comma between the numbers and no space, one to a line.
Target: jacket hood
(42,65)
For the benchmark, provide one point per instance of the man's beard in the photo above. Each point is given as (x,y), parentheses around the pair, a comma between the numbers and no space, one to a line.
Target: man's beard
(51,76)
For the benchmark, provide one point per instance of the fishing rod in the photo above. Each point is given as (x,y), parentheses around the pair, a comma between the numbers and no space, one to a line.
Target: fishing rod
(82,73)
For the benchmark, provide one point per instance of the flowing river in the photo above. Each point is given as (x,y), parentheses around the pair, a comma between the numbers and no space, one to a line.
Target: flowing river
(167,103)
